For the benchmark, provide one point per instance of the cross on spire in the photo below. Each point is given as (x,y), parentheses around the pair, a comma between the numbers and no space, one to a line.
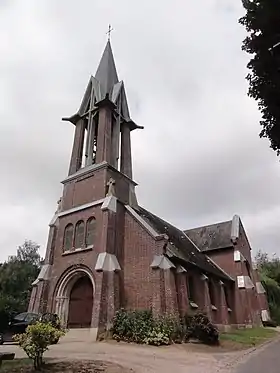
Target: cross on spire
(110,29)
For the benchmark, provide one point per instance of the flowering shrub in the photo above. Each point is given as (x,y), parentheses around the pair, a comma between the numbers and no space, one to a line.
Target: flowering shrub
(143,327)
(36,340)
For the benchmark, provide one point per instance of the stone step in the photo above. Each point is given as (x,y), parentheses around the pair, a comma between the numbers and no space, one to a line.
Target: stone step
(80,335)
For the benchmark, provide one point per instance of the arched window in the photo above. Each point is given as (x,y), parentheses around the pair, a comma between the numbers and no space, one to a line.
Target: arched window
(79,235)
(68,237)
(90,231)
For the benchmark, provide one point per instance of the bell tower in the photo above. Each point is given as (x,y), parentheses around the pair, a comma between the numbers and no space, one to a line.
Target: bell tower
(103,125)
(81,279)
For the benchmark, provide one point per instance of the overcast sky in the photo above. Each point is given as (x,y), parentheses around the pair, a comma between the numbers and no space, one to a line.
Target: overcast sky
(199,159)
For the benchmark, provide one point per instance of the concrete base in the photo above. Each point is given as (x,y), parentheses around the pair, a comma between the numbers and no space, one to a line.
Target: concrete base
(224,328)
(81,335)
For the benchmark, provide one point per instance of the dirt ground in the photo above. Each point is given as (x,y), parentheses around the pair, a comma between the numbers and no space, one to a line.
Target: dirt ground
(140,358)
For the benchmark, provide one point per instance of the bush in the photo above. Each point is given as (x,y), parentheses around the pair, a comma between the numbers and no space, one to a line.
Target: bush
(36,340)
(132,326)
(142,327)
(199,327)
(270,323)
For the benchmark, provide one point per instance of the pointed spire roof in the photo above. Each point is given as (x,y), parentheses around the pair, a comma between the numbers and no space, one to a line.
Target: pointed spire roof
(106,73)
(105,84)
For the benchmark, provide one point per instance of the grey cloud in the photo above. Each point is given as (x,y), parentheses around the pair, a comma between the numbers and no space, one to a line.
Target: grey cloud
(199,159)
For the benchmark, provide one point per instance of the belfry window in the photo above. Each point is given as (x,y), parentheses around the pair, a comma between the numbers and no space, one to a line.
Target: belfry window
(90,231)
(68,237)
(79,234)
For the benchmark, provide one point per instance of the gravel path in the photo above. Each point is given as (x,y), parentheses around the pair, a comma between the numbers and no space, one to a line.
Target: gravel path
(147,359)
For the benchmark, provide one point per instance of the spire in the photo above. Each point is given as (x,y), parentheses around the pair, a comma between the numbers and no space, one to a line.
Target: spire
(106,73)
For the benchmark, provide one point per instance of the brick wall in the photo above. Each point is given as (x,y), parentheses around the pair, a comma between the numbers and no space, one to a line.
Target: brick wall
(141,282)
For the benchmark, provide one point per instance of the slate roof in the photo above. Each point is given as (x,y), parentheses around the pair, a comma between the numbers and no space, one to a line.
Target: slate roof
(106,73)
(181,247)
(212,237)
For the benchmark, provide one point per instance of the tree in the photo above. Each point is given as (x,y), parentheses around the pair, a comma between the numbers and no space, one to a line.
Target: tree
(16,277)
(262,22)
(269,269)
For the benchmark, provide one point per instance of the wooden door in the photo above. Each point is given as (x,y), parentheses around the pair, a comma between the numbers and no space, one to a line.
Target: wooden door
(80,304)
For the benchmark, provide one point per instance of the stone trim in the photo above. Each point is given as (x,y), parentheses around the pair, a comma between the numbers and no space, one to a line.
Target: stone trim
(238,256)
(265,315)
(43,275)
(180,269)
(162,262)
(94,167)
(234,235)
(144,224)
(62,295)
(79,250)
(109,203)
(83,171)
(54,219)
(259,287)
(81,207)
(107,262)
(193,305)
(245,282)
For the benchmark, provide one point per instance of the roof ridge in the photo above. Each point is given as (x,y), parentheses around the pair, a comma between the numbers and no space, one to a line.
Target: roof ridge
(209,225)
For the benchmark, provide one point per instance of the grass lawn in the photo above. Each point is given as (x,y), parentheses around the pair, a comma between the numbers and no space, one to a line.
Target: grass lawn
(26,366)
(249,337)
(15,365)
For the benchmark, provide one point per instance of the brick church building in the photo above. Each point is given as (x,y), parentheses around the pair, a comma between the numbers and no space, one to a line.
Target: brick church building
(104,251)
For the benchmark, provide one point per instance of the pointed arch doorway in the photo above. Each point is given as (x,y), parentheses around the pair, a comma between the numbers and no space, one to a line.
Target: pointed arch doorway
(80,303)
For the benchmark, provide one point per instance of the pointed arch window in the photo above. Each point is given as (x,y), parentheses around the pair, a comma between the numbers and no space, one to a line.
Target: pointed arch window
(79,234)
(68,237)
(90,231)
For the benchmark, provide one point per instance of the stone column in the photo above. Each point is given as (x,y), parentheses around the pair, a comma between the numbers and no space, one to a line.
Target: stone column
(166,295)
(223,307)
(207,302)
(126,159)
(107,292)
(170,291)
(77,150)
(183,299)
(62,309)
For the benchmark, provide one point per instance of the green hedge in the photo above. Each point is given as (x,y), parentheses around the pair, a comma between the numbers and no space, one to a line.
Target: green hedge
(143,327)
(273,297)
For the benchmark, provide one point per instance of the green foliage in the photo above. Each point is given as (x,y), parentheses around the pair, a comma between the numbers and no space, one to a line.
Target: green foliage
(143,327)
(132,326)
(199,327)
(261,21)
(16,277)
(269,269)
(36,340)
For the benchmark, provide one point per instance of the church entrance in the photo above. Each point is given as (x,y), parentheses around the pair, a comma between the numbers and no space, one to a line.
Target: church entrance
(81,303)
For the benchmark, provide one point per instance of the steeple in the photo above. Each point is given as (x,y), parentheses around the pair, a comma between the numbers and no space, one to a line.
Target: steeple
(106,73)
(103,122)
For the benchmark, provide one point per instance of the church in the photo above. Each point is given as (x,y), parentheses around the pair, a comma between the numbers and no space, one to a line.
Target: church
(105,251)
